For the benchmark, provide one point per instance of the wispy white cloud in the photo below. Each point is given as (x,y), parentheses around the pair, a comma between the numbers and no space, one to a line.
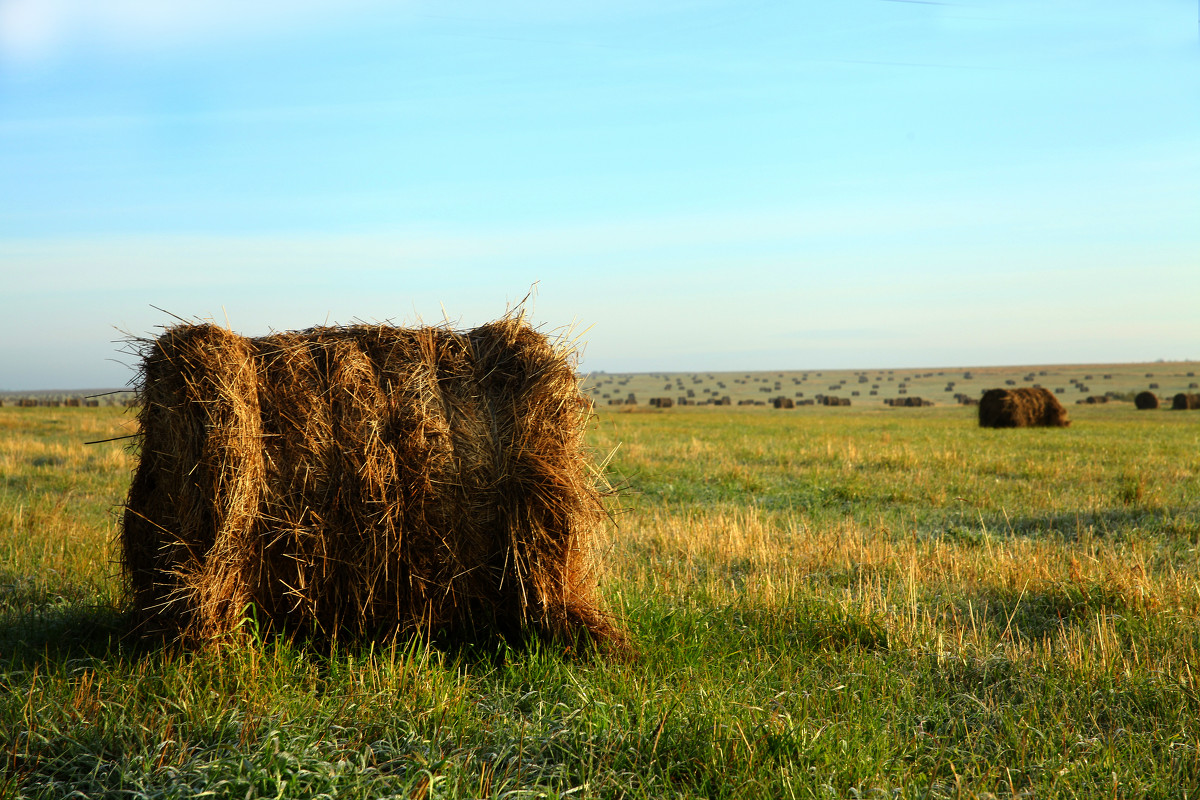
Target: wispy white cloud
(34,32)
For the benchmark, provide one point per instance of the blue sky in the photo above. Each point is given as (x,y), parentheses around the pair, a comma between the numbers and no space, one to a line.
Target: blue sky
(692,184)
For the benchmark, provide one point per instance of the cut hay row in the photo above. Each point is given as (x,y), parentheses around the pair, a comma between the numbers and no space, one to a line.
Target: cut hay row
(1019,408)
(907,402)
(365,481)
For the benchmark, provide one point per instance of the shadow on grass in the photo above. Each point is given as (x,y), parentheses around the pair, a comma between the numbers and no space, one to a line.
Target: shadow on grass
(38,626)
(65,631)
(1032,616)
(728,632)
(1113,523)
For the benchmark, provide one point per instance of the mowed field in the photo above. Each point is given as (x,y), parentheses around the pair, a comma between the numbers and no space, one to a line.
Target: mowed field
(826,602)
(1070,383)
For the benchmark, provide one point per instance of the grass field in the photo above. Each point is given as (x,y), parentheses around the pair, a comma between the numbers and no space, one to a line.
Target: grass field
(838,602)
(1070,382)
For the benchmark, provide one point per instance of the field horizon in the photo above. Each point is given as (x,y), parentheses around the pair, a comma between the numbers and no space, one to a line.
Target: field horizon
(1127,373)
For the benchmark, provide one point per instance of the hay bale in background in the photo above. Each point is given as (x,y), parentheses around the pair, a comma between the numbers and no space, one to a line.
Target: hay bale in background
(1146,400)
(1020,408)
(365,481)
(1184,401)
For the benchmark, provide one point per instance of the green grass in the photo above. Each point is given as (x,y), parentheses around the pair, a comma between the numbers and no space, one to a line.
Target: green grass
(827,603)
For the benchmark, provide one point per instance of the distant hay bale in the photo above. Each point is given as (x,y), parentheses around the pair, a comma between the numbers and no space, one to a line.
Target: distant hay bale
(784,402)
(364,482)
(1020,408)
(1146,400)
(1184,401)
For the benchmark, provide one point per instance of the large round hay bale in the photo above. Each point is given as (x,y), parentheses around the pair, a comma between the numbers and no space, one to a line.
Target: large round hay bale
(1020,408)
(365,481)
(1185,401)
(1146,400)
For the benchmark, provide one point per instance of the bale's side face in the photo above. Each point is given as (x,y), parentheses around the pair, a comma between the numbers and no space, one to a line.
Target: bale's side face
(364,481)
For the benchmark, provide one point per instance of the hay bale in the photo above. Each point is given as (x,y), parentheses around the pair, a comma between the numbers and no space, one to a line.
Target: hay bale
(1020,408)
(1185,402)
(364,481)
(1146,400)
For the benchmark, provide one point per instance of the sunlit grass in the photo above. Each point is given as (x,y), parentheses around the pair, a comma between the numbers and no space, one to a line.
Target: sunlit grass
(826,603)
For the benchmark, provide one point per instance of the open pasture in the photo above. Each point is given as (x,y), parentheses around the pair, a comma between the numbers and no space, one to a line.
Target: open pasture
(871,387)
(830,603)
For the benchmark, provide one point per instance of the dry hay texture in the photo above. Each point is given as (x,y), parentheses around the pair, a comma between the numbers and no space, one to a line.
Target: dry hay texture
(1146,400)
(1020,408)
(364,481)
